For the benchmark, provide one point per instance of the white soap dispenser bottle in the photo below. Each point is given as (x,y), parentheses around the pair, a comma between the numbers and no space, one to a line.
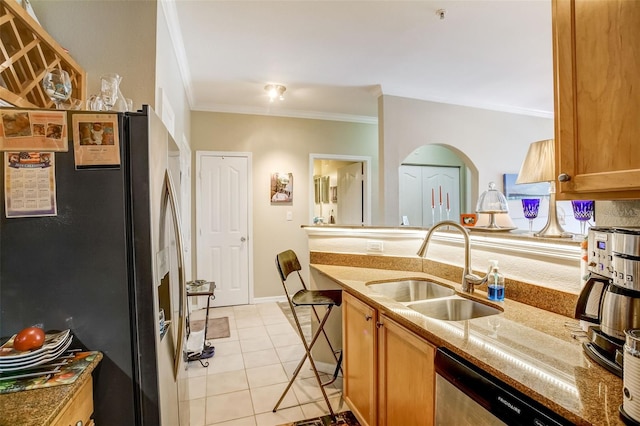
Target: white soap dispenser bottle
(495,287)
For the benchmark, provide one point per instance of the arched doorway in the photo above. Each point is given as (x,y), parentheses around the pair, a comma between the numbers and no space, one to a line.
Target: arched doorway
(436,182)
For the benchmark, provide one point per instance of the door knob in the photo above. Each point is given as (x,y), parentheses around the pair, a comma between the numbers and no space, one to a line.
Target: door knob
(563,177)
(243,239)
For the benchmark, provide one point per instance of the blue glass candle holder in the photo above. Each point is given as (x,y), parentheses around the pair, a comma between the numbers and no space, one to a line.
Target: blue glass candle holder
(583,212)
(530,208)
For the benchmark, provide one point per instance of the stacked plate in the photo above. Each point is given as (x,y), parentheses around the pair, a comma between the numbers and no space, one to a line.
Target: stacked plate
(54,346)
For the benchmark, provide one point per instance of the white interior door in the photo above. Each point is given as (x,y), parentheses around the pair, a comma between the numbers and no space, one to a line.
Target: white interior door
(410,201)
(440,194)
(351,195)
(427,192)
(222,199)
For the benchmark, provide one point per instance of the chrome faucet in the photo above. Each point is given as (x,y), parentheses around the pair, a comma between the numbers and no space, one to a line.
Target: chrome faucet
(469,280)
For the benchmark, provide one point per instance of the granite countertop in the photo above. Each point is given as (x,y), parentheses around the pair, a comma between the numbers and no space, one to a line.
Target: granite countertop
(529,348)
(38,407)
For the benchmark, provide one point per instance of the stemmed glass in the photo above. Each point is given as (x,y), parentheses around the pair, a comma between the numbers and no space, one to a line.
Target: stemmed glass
(582,211)
(530,208)
(57,85)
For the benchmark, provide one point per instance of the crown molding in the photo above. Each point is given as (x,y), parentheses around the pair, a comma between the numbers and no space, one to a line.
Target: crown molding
(314,115)
(175,33)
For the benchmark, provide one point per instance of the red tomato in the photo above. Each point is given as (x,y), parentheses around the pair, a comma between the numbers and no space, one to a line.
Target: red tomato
(28,339)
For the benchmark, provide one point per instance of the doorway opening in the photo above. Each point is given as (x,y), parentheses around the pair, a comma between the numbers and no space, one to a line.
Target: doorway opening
(340,189)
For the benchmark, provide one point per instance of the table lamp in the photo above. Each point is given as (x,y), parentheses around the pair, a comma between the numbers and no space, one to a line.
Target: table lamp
(539,166)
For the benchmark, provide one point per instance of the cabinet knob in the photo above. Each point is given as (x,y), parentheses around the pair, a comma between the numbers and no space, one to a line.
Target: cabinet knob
(379,324)
(79,423)
(563,177)
(368,317)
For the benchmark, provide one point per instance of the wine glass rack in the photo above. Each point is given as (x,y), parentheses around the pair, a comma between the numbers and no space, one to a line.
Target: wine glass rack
(27,51)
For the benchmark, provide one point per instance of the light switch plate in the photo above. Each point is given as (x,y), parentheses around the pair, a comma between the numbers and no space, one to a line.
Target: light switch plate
(289,215)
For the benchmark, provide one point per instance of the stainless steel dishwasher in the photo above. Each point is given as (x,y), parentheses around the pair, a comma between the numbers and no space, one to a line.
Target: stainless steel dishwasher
(466,395)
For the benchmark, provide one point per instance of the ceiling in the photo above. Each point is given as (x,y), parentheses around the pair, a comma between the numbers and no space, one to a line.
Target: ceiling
(337,57)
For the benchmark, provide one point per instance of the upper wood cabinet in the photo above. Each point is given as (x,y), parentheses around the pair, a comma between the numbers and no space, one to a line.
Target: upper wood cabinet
(596,46)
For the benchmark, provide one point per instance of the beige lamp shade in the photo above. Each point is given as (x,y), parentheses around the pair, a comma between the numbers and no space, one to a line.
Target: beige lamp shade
(539,164)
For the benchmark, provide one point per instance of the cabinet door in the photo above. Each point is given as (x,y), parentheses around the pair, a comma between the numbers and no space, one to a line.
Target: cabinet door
(406,376)
(359,340)
(597,97)
(79,409)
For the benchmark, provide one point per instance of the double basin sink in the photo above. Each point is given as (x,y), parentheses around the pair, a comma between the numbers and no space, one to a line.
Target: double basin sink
(432,300)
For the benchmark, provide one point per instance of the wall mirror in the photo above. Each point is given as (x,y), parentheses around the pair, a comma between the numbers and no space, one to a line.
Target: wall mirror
(172,292)
(321,189)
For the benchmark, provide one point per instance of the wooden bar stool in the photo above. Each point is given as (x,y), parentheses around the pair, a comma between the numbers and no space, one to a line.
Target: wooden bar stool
(287,262)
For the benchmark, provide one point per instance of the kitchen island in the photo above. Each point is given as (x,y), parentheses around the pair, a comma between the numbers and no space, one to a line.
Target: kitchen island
(529,348)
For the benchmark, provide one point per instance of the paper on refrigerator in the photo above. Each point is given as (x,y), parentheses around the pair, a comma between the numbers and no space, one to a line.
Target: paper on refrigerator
(29,184)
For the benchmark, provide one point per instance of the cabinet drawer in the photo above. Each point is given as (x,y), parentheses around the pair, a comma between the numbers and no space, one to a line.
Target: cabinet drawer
(79,409)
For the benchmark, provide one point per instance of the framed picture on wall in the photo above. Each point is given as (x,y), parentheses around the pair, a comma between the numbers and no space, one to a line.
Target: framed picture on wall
(513,191)
(281,188)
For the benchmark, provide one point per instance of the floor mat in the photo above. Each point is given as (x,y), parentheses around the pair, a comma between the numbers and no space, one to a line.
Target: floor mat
(345,418)
(217,328)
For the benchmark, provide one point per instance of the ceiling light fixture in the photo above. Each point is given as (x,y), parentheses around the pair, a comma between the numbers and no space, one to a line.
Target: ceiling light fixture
(275,91)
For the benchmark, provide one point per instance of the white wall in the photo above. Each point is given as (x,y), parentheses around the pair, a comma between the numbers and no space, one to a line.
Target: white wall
(280,144)
(106,37)
(171,100)
(495,142)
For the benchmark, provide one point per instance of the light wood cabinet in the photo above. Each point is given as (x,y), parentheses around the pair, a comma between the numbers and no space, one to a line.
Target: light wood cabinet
(27,52)
(596,47)
(79,409)
(406,376)
(389,371)
(359,348)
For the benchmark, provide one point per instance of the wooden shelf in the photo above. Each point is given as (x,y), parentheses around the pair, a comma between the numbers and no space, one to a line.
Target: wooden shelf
(27,51)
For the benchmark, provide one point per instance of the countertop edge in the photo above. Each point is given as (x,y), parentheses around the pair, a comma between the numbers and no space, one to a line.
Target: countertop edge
(37,407)
(347,278)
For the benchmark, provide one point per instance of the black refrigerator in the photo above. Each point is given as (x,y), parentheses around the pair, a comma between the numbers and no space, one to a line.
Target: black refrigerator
(92,268)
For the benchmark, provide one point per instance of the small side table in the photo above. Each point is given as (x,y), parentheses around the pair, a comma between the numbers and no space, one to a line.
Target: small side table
(194,289)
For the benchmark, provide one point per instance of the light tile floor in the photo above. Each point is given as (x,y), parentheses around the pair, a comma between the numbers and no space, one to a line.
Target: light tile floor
(250,370)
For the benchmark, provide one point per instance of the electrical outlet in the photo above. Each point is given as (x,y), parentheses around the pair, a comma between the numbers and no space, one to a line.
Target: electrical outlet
(375,246)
